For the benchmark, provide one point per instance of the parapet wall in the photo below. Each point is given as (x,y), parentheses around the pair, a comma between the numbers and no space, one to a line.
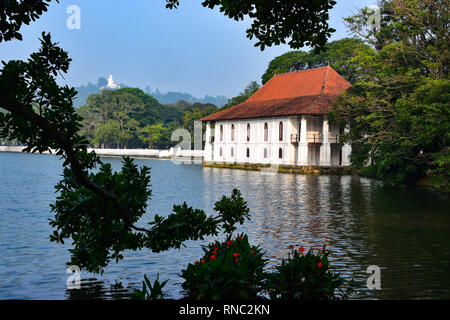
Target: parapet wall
(132,153)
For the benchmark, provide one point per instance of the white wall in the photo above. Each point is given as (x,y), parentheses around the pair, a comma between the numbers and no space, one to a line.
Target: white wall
(256,145)
(302,153)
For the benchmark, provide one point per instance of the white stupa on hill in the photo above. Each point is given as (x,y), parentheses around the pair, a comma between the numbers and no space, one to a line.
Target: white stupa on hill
(111,84)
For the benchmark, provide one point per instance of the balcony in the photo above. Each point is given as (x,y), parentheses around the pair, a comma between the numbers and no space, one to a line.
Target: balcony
(314,138)
(334,138)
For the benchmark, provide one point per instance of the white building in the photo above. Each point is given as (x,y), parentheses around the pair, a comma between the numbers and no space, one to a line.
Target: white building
(111,84)
(283,123)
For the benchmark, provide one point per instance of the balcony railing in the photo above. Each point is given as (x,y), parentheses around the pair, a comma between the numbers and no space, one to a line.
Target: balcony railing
(334,138)
(314,138)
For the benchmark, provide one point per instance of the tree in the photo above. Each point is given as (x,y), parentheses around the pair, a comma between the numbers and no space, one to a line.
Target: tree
(130,108)
(99,211)
(152,134)
(249,90)
(303,22)
(108,134)
(398,111)
(338,54)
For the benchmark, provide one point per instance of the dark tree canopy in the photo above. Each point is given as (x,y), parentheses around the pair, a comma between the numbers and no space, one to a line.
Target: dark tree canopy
(338,54)
(305,22)
(13,14)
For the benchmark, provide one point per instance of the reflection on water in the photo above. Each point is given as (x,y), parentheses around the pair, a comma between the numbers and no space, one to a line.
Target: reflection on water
(363,222)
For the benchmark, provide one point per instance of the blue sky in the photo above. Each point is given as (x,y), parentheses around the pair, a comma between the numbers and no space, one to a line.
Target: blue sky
(191,49)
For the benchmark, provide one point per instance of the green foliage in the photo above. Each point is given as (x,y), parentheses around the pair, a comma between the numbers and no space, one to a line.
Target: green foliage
(251,88)
(150,291)
(113,117)
(304,23)
(235,270)
(197,112)
(398,111)
(15,13)
(133,119)
(338,54)
(231,210)
(152,134)
(97,227)
(305,277)
(228,270)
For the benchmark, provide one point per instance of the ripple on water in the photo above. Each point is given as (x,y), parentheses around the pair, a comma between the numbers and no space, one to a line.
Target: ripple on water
(363,222)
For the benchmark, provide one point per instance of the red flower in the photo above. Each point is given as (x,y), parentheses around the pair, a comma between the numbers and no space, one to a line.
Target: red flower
(301,249)
(252,251)
(196,262)
(237,260)
(203,260)
(236,255)
(320,264)
(213,257)
(214,251)
(240,238)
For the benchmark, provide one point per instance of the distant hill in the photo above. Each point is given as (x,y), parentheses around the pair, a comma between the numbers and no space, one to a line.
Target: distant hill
(163,98)
(174,97)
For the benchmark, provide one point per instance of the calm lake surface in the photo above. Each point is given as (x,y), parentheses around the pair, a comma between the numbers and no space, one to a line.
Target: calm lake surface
(405,231)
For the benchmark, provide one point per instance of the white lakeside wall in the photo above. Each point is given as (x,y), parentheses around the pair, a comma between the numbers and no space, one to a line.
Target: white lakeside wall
(132,153)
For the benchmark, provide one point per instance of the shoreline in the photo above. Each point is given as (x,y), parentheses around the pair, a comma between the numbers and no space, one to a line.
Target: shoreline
(132,153)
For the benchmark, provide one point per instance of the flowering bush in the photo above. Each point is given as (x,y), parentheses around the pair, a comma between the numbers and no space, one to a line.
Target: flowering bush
(305,276)
(229,270)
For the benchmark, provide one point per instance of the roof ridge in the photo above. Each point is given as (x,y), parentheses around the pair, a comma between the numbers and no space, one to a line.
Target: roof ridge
(298,71)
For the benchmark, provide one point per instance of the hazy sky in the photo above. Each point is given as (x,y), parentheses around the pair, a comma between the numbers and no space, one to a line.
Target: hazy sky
(191,49)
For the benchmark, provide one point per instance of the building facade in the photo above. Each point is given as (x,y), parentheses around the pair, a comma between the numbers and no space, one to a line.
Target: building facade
(283,123)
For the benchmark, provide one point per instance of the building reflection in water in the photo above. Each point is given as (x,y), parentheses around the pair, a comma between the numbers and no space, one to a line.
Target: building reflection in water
(302,210)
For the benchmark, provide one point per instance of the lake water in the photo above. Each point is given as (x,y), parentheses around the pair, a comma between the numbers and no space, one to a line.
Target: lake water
(405,231)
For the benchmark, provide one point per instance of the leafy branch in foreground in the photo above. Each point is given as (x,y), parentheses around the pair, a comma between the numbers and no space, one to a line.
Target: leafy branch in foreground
(305,22)
(98,211)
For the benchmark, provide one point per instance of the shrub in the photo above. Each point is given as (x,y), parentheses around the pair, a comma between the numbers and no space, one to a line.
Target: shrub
(229,270)
(150,291)
(305,276)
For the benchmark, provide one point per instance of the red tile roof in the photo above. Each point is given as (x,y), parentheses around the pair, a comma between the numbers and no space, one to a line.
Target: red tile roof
(309,91)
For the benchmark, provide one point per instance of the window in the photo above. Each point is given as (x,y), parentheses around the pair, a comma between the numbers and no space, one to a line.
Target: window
(232,152)
(248,131)
(266,132)
(221,133)
(248,152)
(265,153)
(280,153)
(281,131)
(232,132)
(220,152)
